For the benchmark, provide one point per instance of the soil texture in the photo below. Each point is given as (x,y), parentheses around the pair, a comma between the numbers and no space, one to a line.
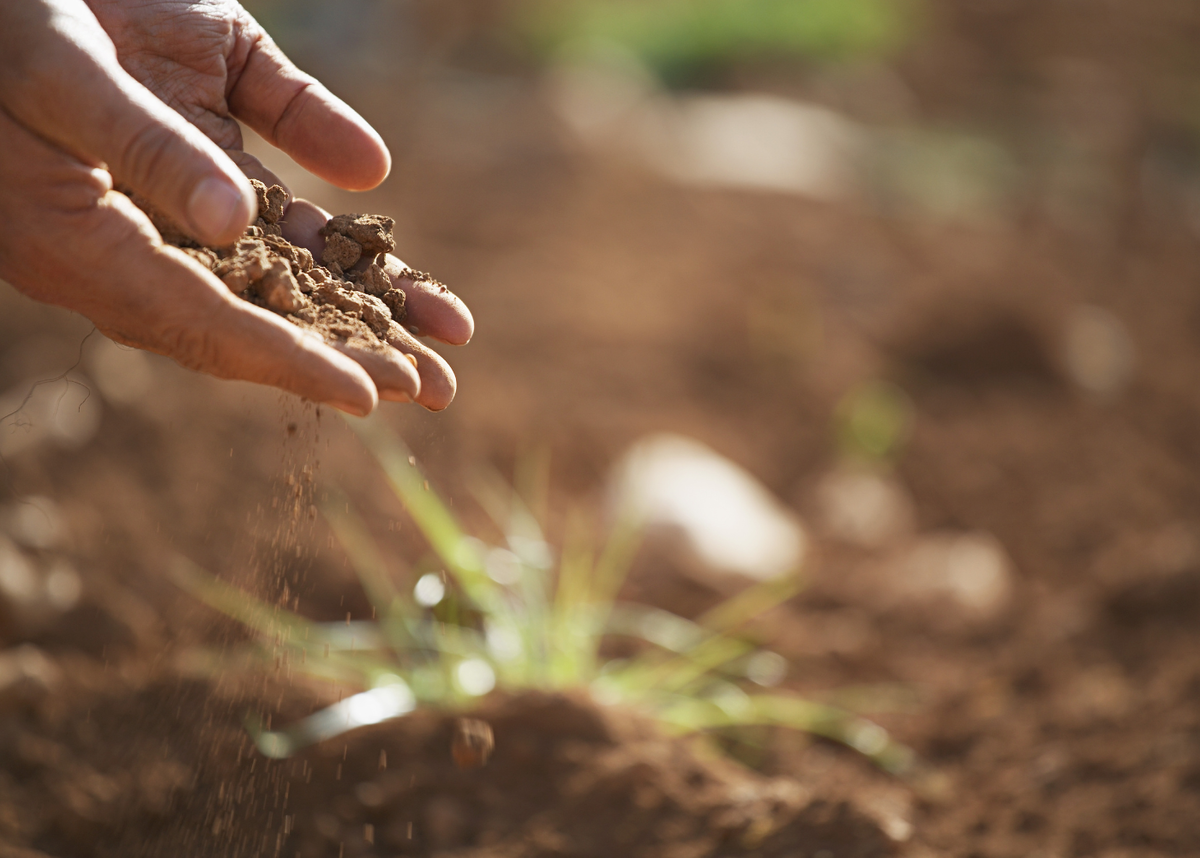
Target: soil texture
(346,296)
(1055,711)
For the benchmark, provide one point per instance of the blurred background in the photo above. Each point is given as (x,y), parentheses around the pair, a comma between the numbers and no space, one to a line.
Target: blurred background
(923,269)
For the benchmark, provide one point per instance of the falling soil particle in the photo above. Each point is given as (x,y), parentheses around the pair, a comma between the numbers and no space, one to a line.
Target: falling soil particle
(348,297)
(472,744)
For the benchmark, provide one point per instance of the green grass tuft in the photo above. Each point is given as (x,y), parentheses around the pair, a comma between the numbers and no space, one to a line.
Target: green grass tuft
(520,615)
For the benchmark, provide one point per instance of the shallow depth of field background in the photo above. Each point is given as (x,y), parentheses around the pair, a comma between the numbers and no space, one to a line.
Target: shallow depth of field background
(927,270)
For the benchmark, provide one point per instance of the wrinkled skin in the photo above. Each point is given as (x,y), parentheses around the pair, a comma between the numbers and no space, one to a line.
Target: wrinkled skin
(147,94)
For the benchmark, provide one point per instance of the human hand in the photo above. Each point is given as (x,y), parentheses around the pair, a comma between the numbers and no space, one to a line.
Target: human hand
(86,97)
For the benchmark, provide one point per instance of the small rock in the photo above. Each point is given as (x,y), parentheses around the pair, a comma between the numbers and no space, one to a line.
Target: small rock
(373,233)
(341,251)
(472,744)
(247,265)
(374,280)
(266,228)
(271,201)
(279,289)
(370,309)
(971,569)
(298,257)
(394,300)
(729,520)
(864,508)
(202,255)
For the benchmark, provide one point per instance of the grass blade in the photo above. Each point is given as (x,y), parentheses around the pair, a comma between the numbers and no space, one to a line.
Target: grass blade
(691,714)
(751,603)
(435,521)
(395,613)
(268,620)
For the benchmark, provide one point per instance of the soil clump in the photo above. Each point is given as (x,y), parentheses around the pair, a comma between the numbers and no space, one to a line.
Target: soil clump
(347,296)
(472,744)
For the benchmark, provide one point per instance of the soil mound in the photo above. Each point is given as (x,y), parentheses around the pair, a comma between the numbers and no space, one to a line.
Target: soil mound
(567,779)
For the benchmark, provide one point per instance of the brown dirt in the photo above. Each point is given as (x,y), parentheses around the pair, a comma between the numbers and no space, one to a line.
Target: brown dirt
(346,298)
(566,779)
(473,743)
(1066,725)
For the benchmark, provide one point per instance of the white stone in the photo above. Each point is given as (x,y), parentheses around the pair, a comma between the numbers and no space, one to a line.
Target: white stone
(971,569)
(863,507)
(730,521)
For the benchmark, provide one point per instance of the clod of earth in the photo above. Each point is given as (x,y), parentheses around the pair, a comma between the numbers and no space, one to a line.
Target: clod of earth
(348,297)
(472,744)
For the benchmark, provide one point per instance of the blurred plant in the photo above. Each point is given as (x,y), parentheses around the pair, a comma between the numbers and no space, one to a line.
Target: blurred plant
(510,616)
(872,422)
(680,38)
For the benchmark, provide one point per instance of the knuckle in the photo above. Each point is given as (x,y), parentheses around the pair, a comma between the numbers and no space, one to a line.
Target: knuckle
(75,190)
(146,156)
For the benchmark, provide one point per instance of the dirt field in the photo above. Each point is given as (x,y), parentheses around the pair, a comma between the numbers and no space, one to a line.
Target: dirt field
(1059,717)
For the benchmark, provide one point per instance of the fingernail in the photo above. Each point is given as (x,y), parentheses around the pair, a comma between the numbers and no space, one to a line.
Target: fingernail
(214,206)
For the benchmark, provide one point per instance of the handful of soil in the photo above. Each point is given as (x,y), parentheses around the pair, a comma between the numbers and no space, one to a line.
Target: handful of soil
(347,298)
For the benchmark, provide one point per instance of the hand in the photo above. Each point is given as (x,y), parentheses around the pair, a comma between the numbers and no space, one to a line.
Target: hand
(86,97)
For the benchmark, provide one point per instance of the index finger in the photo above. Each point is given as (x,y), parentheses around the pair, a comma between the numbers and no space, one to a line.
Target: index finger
(296,113)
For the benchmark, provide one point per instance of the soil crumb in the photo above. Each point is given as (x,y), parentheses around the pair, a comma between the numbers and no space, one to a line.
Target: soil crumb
(347,297)
(472,744)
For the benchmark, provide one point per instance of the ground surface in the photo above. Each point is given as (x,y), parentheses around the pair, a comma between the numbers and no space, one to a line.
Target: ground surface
(1060,720)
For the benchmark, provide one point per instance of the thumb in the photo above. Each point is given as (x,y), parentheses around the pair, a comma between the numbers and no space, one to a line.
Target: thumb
(71,90)
(164,158)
